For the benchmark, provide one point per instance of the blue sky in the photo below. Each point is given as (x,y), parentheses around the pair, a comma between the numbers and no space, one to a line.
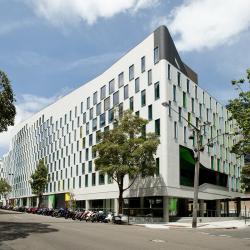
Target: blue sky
(50,47)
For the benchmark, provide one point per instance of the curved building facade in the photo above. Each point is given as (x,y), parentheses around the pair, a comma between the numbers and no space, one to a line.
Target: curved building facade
(150,74)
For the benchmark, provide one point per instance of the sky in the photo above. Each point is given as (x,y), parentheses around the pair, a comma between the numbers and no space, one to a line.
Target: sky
(51,47)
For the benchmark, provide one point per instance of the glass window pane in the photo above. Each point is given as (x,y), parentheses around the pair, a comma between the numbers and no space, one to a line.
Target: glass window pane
(120,79)
(116,98)
(126,92)
(131,72)
(137,84)
(107,104)
(111,86)
(103,92)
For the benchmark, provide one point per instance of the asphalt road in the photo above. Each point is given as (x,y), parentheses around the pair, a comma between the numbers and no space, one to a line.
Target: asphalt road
(34,232)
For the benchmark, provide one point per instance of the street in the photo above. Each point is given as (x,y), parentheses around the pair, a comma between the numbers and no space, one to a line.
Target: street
(34,232)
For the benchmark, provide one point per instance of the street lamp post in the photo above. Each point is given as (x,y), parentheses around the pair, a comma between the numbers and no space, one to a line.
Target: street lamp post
(197,149)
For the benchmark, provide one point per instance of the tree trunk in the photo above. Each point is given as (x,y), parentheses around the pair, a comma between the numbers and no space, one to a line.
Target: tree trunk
(40,200)
(120,200)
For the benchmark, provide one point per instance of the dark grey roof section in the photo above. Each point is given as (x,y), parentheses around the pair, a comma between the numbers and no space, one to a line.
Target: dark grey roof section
(168,51)
(191,74)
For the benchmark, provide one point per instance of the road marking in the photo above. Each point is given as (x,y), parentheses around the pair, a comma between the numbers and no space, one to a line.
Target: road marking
(224,235)
(246,238)
(203,232)
(158,241)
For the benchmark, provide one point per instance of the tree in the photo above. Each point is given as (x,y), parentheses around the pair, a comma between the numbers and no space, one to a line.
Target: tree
(7,108)
(5,188)
(240,109)
(39,180)
(126,150)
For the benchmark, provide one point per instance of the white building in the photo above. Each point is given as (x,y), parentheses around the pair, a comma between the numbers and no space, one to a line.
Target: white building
(147,76)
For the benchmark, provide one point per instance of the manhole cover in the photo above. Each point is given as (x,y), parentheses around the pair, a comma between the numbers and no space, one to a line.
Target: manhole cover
(158,241)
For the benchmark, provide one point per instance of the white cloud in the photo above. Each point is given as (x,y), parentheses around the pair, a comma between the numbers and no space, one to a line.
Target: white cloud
(200,24)
(26,106)
(73,11)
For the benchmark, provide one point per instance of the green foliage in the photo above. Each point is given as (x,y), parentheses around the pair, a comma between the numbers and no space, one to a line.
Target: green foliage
(39,180)
(245,178)
(126,150)
(5,188)
(7,108)
(240,109)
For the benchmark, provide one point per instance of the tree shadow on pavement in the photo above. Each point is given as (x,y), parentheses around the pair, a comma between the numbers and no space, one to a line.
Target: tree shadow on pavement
(15,230)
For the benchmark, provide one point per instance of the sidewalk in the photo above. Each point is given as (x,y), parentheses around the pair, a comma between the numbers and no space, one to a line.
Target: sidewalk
(234,224)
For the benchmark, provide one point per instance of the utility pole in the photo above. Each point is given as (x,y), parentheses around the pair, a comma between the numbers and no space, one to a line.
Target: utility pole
(196,177)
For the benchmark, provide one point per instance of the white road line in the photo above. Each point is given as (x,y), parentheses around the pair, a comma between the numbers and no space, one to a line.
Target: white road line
(224,235)
(246,238)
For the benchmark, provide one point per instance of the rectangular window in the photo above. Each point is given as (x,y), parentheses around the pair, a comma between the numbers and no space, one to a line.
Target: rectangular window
(174,93)
(143,66)
(156,55)
(179,79)
(91,114)
(95,98)
(120,110)
(103,92)
(107,104)
(83,142)
(121,79)
(98,136)
(86,180)
(116,98)
(84,117)
(86,154)
(81,108)
(192,100)
(157,127)
(80,181)
(93,179)
(90,140)
(169,72)
(212,162)
(157,90)
(180,114)
(185,134)
(200,110)
(143,98)
(101,179)
(150,77)
(175,130)
(125,92)
(184,100)
(87,128)
(188,86)
(169,109)
(88,102)
(111,86)
(218,165)
(102,120)
(137,84)
(111,115)
(90,167)
(98,109)
(83,168)
(131,103)
(196,92)
(189,118)
(150,112)
(131,72)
